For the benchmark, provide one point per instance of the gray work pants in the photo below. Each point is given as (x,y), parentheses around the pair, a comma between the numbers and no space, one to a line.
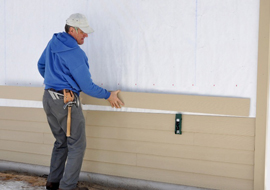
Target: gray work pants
(68,152)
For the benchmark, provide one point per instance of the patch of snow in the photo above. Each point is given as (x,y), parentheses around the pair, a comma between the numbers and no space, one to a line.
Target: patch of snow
(18,185)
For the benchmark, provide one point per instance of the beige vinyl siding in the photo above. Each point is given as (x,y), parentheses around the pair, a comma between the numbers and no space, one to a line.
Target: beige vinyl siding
(180,103)
(23,125)
(23,157)
(156,145)
(175,102)
(213,151)
(23,114)
(169,176)
(170,150)
(191,123)
(22,93)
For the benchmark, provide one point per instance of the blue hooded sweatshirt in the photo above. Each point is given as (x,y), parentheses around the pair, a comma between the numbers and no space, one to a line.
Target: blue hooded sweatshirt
(64,65)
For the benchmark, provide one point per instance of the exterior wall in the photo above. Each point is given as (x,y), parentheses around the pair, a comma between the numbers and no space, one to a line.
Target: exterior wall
(213,152)
(125,151)
(262,103)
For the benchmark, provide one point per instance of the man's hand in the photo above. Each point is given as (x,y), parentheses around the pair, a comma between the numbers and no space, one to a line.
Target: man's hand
(114,100)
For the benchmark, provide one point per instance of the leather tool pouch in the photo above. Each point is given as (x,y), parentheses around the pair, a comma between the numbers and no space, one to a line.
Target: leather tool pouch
(68,96)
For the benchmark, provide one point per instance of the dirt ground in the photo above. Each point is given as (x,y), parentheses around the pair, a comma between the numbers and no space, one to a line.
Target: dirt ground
(23,181)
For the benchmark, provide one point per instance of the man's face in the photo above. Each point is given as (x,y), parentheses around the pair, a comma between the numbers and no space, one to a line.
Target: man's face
(79,35)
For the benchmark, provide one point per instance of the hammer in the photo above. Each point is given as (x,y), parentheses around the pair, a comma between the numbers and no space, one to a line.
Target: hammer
(69,100)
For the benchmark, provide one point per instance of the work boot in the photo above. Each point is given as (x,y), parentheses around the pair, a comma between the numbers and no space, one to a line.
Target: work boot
(77,188)
(52,186)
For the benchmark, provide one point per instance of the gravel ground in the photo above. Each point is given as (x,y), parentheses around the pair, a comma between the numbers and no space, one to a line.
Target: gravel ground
(24,181)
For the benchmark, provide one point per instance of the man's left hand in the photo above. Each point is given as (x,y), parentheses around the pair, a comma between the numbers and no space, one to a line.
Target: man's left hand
(114,100)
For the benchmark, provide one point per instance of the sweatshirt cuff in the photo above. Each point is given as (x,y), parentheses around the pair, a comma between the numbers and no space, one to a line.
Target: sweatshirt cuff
(108,95)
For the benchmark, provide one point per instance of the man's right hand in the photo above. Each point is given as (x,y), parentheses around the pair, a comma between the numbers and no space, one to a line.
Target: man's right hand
(114,100)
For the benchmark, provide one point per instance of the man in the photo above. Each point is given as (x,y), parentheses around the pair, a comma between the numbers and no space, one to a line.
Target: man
(64,65)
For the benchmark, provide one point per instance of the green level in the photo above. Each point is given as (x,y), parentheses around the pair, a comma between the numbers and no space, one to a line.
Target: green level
(178,124)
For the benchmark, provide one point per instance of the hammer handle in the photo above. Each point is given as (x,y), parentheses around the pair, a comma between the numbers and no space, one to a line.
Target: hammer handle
(68,121)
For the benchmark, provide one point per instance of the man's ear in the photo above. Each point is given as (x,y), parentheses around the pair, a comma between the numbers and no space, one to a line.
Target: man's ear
(71,30)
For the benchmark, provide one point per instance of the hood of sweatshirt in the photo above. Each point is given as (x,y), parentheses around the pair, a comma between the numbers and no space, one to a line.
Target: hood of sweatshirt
(63,42)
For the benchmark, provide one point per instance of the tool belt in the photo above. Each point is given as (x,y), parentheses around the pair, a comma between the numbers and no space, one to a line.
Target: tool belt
(70,99)
(56,94)
(68,96)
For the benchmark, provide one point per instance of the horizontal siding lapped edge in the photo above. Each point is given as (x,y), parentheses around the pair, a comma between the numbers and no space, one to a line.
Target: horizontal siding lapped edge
(241,126)
(23,114)
(239,171)
(174,177)
(26,153)
(184,130)
(191,151)
(23,126)
(31,154)
(180,103)
(36,150)
(231,167)
(172,170)
(21,136)
(199,139)
(30,148)
(223,155)
(21,157)
(21,92)
(118,164)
